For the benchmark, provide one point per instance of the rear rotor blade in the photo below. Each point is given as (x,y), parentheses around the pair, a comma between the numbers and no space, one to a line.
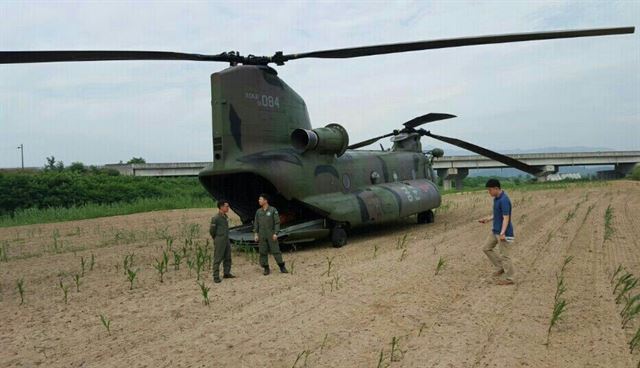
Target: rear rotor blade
(416,122)
(369,141)
(487,153)
(17,57)
(353,52)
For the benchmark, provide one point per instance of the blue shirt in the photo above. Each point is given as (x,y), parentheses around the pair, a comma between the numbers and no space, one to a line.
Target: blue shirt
(502,207)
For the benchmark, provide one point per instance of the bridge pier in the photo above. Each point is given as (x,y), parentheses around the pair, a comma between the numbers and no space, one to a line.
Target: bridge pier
(619,171)
(452,174)
(545,171)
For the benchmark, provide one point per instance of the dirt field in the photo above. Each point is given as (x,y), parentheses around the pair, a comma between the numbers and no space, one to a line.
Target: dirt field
(377,292)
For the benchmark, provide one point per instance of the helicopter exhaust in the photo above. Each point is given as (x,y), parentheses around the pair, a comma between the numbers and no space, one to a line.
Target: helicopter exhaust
(332,139)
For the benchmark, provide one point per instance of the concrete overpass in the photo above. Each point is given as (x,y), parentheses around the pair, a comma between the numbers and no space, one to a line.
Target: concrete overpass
(452,169)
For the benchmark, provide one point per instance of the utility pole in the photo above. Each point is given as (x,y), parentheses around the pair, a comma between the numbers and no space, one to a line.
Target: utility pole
(21,148)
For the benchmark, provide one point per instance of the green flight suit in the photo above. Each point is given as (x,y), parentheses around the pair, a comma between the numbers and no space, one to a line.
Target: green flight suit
(266,224)
(219,231)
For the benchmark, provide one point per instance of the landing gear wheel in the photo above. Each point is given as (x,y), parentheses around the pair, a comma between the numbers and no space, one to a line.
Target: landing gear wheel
(338,236)
(425,217)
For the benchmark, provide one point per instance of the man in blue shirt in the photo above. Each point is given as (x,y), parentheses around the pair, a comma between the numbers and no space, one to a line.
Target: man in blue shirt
(498,244)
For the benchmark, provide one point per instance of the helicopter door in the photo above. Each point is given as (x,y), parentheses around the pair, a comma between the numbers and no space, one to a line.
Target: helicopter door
(373,205)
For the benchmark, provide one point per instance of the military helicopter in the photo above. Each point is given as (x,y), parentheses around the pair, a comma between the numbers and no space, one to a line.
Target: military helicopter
(263,142)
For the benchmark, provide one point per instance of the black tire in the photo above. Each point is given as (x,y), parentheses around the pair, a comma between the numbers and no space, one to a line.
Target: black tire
(338,236)
(426,217)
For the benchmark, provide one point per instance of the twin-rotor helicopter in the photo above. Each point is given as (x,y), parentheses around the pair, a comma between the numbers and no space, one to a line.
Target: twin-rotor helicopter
(322,184)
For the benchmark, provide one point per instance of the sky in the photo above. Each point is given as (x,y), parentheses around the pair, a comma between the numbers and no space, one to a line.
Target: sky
(509,97)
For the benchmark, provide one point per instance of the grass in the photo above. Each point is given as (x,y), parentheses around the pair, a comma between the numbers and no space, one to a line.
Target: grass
(106,322)
(329,265)
(76,279)
(20,287)
(204,290)
(65,290)
(608,228)
(48,215)
(442,263)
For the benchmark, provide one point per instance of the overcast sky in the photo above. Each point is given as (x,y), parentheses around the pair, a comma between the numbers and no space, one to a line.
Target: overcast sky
(561,93)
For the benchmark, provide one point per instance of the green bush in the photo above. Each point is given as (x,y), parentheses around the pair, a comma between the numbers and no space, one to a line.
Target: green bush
(635,173)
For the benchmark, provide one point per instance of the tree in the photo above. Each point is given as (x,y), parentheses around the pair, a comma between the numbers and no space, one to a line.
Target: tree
(137,160)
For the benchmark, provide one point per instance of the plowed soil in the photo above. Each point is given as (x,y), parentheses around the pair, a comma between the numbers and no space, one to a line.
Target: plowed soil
(381,303)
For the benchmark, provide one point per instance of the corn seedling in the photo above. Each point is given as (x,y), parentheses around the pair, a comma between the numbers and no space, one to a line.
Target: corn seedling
(375,251)
(324,342)
(76,278)
(616,272)
(200,261)
(127,263)
(608,217)
(626,287)
(622,281)
(106,322)
(403,255)
(402,242)
(292,267)
(169,242)
(381,360)
(304,353)
(82,264)
(329,263)
(131,276)
(396,352)
(422,326)
(92,262)
(65,290)
(4,250)
(565,263)
(560,287)
(161,267)
(630,310)
(635,341)
(558,310)
(20,287)
(177,258)
(442,263)
(205,292)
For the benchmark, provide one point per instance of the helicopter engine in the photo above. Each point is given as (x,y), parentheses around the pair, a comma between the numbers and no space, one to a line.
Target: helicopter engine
(332,139)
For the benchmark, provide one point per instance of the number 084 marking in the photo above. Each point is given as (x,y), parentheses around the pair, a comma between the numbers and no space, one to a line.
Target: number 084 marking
(269,101)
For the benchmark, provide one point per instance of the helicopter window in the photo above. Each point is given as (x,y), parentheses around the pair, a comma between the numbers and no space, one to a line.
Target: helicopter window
(375,177)
(346,181)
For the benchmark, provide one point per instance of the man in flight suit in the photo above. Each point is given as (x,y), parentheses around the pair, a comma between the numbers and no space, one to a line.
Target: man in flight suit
(219,231)
(266,226)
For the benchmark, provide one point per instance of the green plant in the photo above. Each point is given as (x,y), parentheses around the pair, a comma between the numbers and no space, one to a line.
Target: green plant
(131,276)
(375,251)
(381,360)
(616,272)
(292,267)
(422,326)
(622,281)
(92,262)
(565,263)
(76,278)
(205,292)
(82,264)
(631,309)
(20,287)
(396,353)
(559,308)
(4,250)
(402,242)
(106,322)
(324,342)
(161,267)
(65,290)
(608,228)
(329,264)
(442,263)
(627,286)
(177,258)
(201,258)
(304,353)
(635,341)
(127,263)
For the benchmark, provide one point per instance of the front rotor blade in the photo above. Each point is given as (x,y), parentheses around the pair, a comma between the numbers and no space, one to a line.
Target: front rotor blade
(369,141)
(18,57)
(416,122)
(509,161)
(453,42)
